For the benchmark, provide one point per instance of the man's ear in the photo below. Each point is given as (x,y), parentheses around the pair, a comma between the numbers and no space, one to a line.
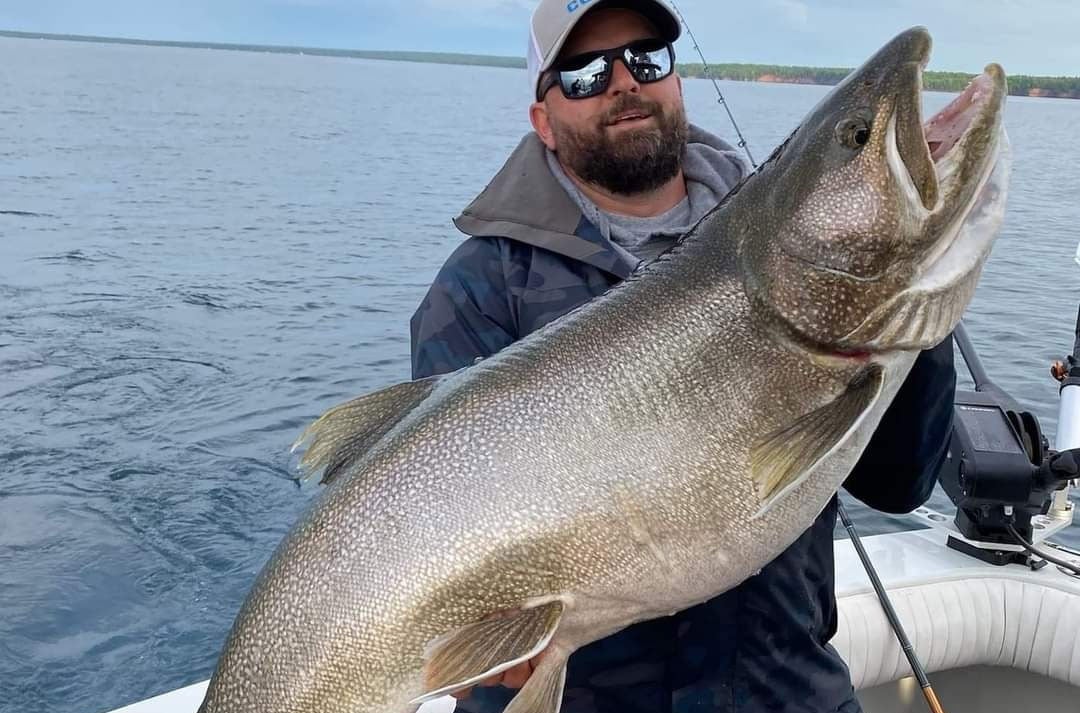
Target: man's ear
(541,122)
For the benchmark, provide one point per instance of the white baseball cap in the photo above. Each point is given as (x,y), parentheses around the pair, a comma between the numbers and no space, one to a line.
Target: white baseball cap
(553,20)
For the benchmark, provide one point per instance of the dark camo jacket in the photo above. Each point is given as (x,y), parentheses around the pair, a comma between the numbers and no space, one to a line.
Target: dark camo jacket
(530,258)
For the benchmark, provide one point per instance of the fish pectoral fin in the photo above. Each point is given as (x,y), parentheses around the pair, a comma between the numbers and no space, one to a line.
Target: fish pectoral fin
(781,457)
(477,651)
(345,432)
(543,692)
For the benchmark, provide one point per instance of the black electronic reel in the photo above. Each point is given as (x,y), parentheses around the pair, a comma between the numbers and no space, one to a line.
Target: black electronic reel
(999,471)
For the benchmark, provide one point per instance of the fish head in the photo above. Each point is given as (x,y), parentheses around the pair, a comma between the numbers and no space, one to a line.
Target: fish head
(877,224)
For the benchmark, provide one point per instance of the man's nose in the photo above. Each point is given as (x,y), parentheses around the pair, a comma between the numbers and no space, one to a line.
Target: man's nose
(622,80)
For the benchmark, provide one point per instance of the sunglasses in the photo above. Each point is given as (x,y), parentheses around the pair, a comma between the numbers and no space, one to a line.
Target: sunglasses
(588,74)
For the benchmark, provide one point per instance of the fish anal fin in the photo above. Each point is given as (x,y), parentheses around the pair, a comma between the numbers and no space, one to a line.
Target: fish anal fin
(345,432)
(482,649)
(543,692)
(780,457)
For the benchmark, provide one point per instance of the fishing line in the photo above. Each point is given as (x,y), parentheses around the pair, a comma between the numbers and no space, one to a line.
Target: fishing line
(723,102)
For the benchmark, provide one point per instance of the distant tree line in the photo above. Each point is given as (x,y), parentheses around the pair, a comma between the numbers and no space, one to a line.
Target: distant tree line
(1019,84)
(1022,85)
(397,56)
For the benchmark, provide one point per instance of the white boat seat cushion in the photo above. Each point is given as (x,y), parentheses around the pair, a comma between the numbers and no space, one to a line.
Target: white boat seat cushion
(981,620)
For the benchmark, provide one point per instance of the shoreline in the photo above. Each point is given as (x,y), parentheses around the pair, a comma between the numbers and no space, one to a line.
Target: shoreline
(1019,85)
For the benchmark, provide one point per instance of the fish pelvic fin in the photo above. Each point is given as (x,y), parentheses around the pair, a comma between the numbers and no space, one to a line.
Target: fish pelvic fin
(482,649)
(343,434)
(543,692)
(782,457)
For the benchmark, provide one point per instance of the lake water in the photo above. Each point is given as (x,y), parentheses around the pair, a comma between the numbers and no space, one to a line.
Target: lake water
(223,244)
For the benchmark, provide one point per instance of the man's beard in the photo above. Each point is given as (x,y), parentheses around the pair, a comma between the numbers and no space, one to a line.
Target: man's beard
(637,160)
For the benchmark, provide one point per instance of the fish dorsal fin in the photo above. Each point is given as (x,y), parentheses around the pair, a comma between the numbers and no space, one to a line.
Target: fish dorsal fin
(780,458)
(345,432)
(482,649)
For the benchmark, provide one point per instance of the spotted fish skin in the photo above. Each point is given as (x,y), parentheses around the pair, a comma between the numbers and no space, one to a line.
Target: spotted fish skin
(646,452)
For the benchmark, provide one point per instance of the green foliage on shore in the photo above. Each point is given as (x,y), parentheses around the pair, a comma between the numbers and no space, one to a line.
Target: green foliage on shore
(1019,85)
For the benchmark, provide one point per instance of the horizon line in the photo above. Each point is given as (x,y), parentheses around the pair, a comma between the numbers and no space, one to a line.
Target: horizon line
(494,60)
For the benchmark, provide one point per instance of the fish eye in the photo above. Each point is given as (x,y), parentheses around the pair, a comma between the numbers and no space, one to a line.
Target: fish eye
(853,132)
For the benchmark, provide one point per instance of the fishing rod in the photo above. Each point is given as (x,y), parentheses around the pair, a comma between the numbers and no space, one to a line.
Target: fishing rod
(890,613)
(883,597)
(720,96)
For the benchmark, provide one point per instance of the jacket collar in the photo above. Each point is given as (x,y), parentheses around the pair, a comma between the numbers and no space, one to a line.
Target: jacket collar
(524,202)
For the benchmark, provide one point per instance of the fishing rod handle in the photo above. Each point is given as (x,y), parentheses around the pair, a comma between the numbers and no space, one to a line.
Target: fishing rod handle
(932,699)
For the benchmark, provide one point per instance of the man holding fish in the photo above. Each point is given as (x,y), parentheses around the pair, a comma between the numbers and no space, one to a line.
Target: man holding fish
(612,175)
(638,386)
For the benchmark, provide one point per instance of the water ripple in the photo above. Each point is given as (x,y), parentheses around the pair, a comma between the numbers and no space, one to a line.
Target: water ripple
(26,214)
(193,270)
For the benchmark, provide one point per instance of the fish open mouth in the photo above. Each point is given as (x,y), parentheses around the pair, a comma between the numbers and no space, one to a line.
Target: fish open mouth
(954,172)
(927,164)
(967,148)
(944,130)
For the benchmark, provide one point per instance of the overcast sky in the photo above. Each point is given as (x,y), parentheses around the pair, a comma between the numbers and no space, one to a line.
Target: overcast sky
(1025,36)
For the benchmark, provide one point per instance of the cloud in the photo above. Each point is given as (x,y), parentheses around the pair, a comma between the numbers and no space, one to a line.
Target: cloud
(1026,36)
(313,3)
(796,12)
(482,7)
(509,15)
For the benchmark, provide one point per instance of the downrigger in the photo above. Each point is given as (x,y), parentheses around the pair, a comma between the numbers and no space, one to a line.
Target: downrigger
(1009,487)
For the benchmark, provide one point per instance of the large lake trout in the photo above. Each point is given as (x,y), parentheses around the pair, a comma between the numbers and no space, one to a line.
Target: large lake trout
(651,449)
